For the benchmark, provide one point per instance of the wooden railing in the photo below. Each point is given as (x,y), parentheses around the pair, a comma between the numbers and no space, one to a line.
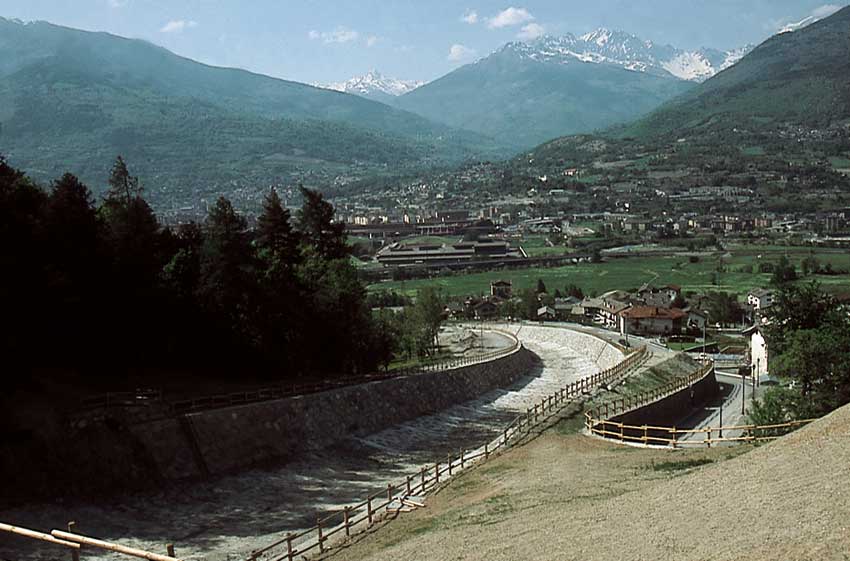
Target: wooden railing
(149,397)
(287,390)
(627,403)
(651,435)
(122,399)
(76,542)
(597,420)
(396,496)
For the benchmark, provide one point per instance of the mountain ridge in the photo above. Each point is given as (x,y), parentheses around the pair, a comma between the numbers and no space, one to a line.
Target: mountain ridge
(71,100)
(626,50)
(799,77)
(374,85)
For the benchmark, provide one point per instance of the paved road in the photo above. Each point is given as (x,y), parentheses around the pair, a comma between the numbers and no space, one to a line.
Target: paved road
(728,405)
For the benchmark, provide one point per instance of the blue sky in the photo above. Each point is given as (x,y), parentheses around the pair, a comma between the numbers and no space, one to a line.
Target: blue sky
(330,40)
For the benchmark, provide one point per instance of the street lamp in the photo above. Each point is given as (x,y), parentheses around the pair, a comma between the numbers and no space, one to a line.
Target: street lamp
(721,410)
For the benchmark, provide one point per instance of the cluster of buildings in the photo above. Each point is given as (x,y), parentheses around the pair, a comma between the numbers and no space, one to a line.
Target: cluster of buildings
(400,255)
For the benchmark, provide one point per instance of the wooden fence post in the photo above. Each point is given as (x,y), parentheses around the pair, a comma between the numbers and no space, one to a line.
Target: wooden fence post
(486,451)
(369,510)
(674,437)
(346,517)
(408,485)
(289,547)
(389,492)
(422,477)
(708,440)
(319,530)
(449,461)
(169,549)
(461,458)
(437,471)
(645,436)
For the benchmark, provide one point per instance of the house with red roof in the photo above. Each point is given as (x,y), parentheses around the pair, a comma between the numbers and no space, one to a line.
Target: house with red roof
(652,320)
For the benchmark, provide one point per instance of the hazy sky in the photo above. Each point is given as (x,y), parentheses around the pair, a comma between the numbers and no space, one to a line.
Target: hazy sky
(329,40)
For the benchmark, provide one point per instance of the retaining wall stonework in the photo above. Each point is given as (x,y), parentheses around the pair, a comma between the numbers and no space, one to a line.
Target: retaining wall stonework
(233,438)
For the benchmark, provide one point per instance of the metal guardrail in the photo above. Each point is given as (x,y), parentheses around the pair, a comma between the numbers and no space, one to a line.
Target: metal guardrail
(361,516)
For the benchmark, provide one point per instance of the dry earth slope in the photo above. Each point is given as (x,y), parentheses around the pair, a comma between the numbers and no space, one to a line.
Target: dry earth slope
(566,496)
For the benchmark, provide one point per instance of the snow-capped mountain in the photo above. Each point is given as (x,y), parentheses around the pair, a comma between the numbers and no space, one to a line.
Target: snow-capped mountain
(375,85)
(623,49)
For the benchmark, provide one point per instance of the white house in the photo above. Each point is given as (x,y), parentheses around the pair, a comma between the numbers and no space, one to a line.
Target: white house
(759,357)
(760,299)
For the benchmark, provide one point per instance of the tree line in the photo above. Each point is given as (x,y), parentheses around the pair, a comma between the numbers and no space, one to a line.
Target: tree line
(102,288)
(808,336)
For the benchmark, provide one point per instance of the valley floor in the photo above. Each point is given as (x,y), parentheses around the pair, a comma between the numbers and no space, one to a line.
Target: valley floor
(566,496)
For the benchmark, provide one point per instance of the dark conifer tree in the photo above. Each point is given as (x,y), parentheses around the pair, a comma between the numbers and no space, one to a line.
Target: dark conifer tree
(276,239)
(319,231)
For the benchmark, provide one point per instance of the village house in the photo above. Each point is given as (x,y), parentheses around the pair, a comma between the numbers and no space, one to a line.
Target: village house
(605,309)
(662,297)
(759,357)
(501,289)
(652,320)
(486,309)
(760,299)
(546,313)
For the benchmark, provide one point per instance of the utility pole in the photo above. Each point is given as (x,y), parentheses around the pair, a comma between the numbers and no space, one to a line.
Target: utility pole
(743,394)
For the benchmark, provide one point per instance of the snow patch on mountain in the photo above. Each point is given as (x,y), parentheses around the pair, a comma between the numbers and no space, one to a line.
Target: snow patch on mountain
(628,51)
(373,83)
(689,66)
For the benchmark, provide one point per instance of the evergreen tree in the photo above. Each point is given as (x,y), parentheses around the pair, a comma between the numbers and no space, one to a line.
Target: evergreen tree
(318,229)
(541,286)
(123,187)
(133,228)
(226,285)
(276,239)
(22,244)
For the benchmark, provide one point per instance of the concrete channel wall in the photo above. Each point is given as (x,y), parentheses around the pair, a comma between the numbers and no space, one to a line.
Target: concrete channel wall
(665,412)
(226,440)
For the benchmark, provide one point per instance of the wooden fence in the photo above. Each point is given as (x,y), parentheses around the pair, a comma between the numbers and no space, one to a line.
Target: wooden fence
(597,421)
(406,494)
(669,436)
(149,397)
(77,542)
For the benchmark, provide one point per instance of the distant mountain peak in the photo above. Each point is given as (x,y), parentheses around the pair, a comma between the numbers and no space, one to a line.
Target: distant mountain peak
(620,48)
(373,84)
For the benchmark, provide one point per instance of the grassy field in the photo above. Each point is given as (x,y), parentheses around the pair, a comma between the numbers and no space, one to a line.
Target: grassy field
(631,273)
(842,163)
(753,151)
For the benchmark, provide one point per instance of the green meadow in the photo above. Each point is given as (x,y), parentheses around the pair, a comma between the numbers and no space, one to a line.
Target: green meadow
(729,272)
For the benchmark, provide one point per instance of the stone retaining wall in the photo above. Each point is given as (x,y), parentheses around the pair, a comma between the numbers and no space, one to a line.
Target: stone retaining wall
(233,438)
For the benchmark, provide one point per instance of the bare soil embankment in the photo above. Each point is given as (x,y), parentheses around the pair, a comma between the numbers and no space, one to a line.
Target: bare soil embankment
(566,496)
